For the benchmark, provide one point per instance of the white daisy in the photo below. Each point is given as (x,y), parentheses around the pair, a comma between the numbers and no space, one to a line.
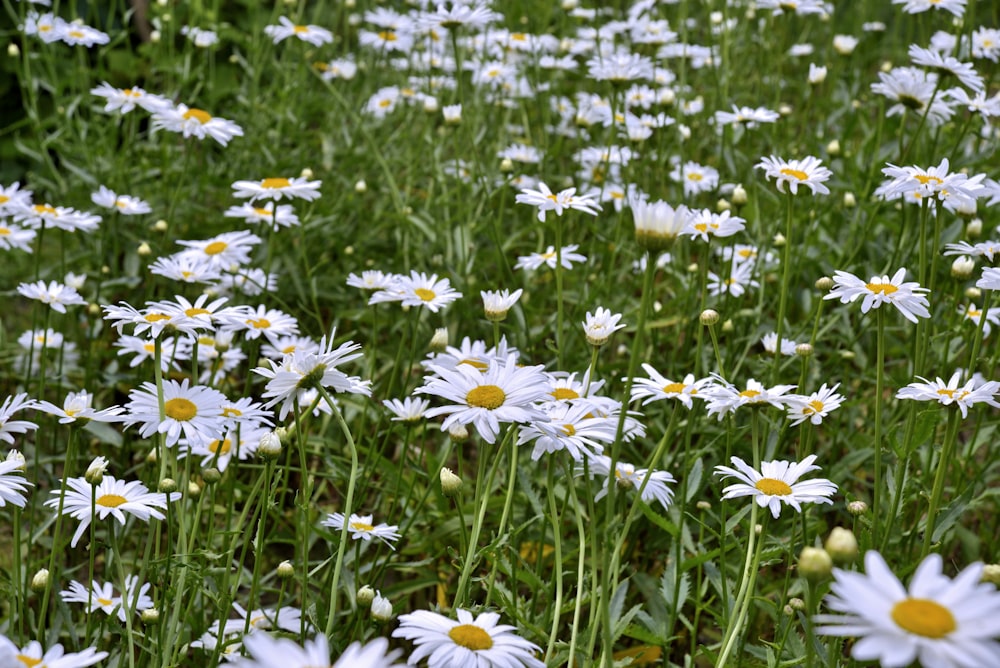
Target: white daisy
(807,172)
(13,486)
(15,237)
(266,651)
(280,216)
(193,412)
(124,100)
(777,482)
(814,407)
(566,257)
(11,405)
(947,394)
(723,397)
(54,657)
(103,597)
(571,427)
(658,387)
(599,327)
(123,204)
(546,201)
(77,407)
(937,621)
(627,475)
(480,642)
(908,297)
(271,323)
(705,224)
(276,188)
(418,289)
(191,122)
(408,409)
(60,217)
(314,35)
(223,250)
(657,224)
(361,528)
(56,295)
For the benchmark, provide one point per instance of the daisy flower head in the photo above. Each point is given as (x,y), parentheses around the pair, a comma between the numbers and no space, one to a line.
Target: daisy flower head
(14,237)
(565,256)
(192,122)
(746,116)
(956,7)
(658,387)
(566,199)
(13,486)
(503,392)
(936,182)
(937,621)
(200,37)
(628,476)
(123,204)
(975,315)
(599,327)
(102,596)
(497,303)
(314,35)
(112,497)
(572,427)
(185,269)
(705,224)
(695,178)
(808,172)
(470,641)
(657,224)
(221,251)
(61,217)
(932,59)
(269,214)
(908,297)
(255,322)
(777,483)
(371,279)
(770,343)
(277,188)
(77,33)
(723,397)
(11,405)
(56,295)
(267,651)
(947,394)
(620,68)
(912,89)
(361,528)
(740,279)
(418,289)
(77,408)
(193,412)
(990,279)
(124,100)
(54,657)
(408,409)
(814,407)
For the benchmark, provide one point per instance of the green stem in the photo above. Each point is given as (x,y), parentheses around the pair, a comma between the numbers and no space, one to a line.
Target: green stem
(947,452)
(879,383)
(785,274)
(742,604)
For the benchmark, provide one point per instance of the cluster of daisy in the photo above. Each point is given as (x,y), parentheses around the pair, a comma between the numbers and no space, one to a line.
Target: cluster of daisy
(50,28)
(21,217)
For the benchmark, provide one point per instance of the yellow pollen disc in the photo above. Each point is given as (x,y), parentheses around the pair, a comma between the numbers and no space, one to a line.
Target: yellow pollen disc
(231,411)
(155,317)
(288,350)
(104,601)
(273,184)
(945,392)
(27,660)
(128,92)
(554,198)
(926,178)
(923,617)
(72,412)
(471,637)
(41,29)
(110,500)
(750,394)
(180,409)
(120,204)
(493,73)
(745,253)
(884,288)
(44,208)
(561,393)
(971,313)
(220,447)
(215,248)
(198,115)
(4,231)
(301,29)
(773,487)
(149,347)
(486,396)
(569,429)
(674,388)
(695,177)
(476,364)
(701,227)
(388,35)
(425,294)
(385,103)
(262,212)
(548,256)
(814,406)
(205,340)
(259,323)
(518,37)
(192,312)
(4,199)
(75,33)
(797,173)
(254,621)
(361,526)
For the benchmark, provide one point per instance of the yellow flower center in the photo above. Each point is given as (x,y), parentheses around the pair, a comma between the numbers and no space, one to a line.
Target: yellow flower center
(385,103)
(388,35)
(104,601)
(361,526)
(674,388)
(927,178)
(128,92)
(155,317)
(4,199)
(77,34)
(561,393)
(425,294)
(973,313)
(923,617)
(231,411)
(695,176)
(110,500)
(569,429)
(476,364)
(796,173)
(262,212)
(259,323)
(471,637)
(288,350)
(192,312)
(45,208)
(773,487)
(180,409)
(198,115)
(301,29)
(72,412)
(518,37)
(814,406)
(4,231)
(27,660)
(945,392)
(750,394)
(220,447)
(883,288)
(215,247)
(485,396)
(273,184)
(701,227)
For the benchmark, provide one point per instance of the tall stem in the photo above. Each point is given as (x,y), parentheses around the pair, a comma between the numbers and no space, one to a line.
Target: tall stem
(786,263)
(879,381)
(947,452)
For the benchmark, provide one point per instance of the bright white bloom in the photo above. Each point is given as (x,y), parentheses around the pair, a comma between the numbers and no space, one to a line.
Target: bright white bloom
(599,326)
(371,279)
(546,201)
(56,295)
(946,394)
(32,655)
(315,35)
(705,224)
(908,297)
(193,412)
(77,407)
(407,410)
(284,216)
(956,7)
(658,387)
(113,497)
(191,122)
(566,257)
(503,392)
(657,224)
(123,204)
(13,486)
(814,407)
(695,178)
(628,476)
(103,597)
(739,280)
(267,651)
(990,280)
(620,68)
(221,251)
(746,116)
(770,343)
(935,182)
(418,289)
(937,621)
(975,315)
(723,397)
(77,33)
(912,89)
(361,528)
(15,237)
(276,188)
(478,642)
(202,38)
(808,172)
(964,72)
(61,217)
(271,323)
(799,7)
(11,405)
(124,100)
(777,483)
(497,303)
(572,427)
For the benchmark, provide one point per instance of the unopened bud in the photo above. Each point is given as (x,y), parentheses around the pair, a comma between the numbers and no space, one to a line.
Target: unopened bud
(815,564)
(857,508)
(796,603)
(360,186)
(722,205)
(365,596)
(804,350)
(458,433)
(95,472)
(451,484)
(850,201)
(962,266)
(727,326)
(703,505)
(506,166)
(306,173)
(167,486)
(824,283)
(833,148)
(842,545)
(270,445)
(431,105)
(381,608)
(13,50)
(161,225)
(150,616)
(143,249)
(285,570)
(17,459)
(974,228)
(779,240)
(991,574)
(972,292)
(211,475)
(708,317)
(440,340)
(739,195)
(194,490)
(40,580)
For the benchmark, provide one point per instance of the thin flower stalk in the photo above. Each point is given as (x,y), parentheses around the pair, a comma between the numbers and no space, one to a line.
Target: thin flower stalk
(944,464)
(786,264)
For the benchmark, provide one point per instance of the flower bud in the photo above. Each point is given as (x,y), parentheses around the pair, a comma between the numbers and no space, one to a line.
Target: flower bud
(270,445)
(815,564)
(458,433)
(796,603)
(451,484)
(167,486)
(211,475)
(708,317)
(991,574)
(506,166)
(306,173)
(727,326)
(962,266)
(95,472)
(824,283)
(381,608)
(974,228)
(452,113)
(849,200)
(194,489)
(857,508)
(739,195)
(842,545)
(365,596)
(440,340)
(804,350)
(360,186)
(144,249)
(722,205)
(15,457)
(972,292)
(40,580)
(150,616)
(703,505)
(779,240)
(285,570)
(833,148)
(161,225)
(13,50)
